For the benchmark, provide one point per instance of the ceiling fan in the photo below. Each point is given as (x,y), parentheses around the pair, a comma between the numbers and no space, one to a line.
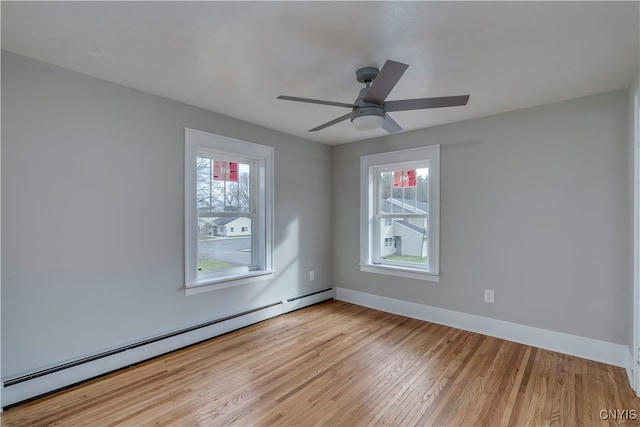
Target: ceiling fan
(369,111)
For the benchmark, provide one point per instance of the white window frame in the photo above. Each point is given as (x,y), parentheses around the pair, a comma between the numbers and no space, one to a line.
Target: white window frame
(197,142)
(370,163)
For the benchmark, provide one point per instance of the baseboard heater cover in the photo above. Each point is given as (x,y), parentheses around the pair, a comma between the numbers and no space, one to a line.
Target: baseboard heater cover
(36,384)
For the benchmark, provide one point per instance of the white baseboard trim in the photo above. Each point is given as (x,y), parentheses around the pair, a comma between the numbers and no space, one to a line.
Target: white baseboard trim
(587,348)
(629,368)
(44,384)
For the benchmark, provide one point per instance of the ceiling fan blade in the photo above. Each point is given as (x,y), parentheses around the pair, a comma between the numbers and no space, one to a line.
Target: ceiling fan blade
(390,125)
(384,83)
(332,122)
(422,103)
(315,101)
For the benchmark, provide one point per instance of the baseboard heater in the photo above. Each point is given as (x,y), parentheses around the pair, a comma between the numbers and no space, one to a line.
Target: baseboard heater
(37,384)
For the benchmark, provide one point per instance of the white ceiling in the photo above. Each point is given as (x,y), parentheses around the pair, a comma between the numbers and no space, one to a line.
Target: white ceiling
(235,58)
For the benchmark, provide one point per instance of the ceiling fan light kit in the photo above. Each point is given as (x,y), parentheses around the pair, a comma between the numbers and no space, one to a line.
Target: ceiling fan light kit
(369,110)
(368,120)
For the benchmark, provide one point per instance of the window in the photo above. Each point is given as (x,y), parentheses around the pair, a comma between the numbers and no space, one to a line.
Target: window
(399,202)
(228,187)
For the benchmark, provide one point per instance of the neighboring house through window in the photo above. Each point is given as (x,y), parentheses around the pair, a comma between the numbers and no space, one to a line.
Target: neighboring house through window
(399,232)
(228,212)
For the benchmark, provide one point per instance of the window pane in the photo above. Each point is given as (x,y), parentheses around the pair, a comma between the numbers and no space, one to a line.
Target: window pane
(404,240)
(224,242)
(403,191)
(223,185)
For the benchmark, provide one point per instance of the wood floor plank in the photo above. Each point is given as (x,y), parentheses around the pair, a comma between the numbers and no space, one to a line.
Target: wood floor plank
(339,364)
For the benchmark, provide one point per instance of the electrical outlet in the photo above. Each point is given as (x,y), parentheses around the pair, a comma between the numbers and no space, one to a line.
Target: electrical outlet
(312,276)
(488,296)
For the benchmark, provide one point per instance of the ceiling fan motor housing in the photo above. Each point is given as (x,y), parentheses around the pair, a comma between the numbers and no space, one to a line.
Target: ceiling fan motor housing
(362,109)
(370,110)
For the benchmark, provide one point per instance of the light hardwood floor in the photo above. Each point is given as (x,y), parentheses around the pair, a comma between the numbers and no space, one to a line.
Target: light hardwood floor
(340,364)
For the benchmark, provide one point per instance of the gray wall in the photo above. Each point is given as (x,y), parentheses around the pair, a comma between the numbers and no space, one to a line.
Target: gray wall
(534,205)
(92,216)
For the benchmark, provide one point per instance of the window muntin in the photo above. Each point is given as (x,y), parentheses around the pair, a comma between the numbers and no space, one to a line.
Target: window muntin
(399,209)
(228,212)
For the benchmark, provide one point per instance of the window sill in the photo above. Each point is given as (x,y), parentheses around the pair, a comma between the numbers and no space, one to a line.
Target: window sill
(228,282)
(400,272)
